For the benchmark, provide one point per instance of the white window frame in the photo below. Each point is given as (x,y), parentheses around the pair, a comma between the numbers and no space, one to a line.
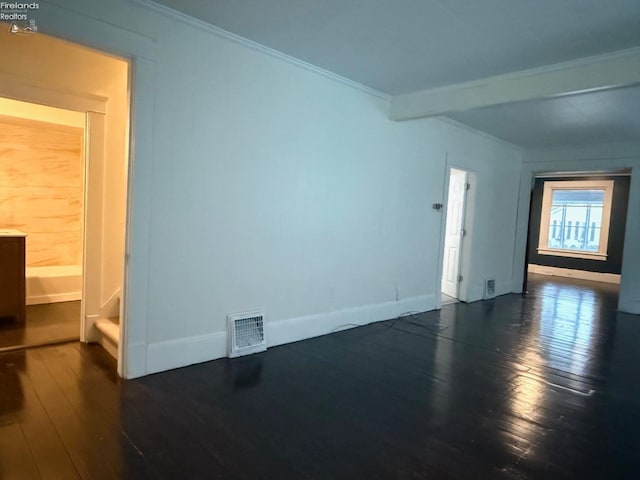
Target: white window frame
(547,199)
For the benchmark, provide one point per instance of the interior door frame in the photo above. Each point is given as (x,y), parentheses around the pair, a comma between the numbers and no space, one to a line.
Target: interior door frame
(608,158)
(140,49)
(525,277)
(462,228)
(94,108)
(463,268)
(93,252)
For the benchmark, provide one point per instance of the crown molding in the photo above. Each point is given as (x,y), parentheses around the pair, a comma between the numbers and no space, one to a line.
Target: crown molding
(221,33)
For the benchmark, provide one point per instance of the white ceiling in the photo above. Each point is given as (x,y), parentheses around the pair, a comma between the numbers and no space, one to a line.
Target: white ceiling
(609,116)
(402,46)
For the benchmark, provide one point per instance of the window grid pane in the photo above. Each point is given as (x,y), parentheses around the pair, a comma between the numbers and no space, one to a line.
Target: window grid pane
(575,220)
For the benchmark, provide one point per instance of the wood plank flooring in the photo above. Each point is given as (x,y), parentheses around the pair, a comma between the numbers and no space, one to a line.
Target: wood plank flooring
(543,386)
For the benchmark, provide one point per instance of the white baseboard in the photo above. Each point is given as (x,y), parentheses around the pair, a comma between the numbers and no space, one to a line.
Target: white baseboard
(178,353)
(571,273)
(309,326)
(185,351)
(54,298)
(476,293)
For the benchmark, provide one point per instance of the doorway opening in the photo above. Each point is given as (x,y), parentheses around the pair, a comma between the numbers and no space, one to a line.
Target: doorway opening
(577,226)
(43,72)
(42,168)
(454,236)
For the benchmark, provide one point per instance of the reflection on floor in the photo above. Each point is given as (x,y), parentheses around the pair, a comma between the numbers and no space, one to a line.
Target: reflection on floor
(447,300)
(542,386)
(45,324)
(571,319)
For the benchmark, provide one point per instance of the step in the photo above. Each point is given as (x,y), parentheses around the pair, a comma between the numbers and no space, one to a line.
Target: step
(109,338)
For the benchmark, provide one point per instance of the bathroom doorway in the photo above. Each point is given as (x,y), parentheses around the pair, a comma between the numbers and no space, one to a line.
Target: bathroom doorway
(94,85)
(42,164)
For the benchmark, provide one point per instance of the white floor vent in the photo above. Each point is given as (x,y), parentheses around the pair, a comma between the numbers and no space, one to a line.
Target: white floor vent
(490,288)
(246,333)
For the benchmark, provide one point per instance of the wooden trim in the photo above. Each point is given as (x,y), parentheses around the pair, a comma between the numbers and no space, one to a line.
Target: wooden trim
(52,127)
(572,273)
(555,252)
(93,223)
(16,88)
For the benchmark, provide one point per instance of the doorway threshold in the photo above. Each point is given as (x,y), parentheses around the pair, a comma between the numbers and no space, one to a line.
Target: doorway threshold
(447,300)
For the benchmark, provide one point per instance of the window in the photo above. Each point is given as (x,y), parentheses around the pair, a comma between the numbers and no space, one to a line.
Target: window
(575,219)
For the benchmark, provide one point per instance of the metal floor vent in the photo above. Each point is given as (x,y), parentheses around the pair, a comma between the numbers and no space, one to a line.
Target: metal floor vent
(246,333)
(489,288)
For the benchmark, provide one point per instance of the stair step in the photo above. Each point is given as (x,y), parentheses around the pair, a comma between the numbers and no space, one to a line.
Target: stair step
(109,329)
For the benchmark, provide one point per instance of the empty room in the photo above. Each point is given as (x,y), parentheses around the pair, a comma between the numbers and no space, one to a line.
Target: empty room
(323,240)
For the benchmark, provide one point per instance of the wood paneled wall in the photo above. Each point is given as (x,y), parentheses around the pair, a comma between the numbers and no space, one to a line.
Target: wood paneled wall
(41,188)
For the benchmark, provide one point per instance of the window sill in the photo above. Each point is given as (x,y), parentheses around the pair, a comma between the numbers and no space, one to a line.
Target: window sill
(573,254)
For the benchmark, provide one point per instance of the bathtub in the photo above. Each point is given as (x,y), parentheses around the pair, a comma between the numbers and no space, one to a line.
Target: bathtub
(54,284)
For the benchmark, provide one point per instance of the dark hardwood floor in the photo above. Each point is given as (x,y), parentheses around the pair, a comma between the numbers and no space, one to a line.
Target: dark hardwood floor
(543,386)
(45,324)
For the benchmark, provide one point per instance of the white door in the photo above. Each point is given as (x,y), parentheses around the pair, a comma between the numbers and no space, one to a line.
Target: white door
(454,232)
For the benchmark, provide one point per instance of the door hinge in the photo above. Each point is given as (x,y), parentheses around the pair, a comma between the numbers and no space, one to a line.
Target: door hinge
(468,186)
(463,232)
(460,278)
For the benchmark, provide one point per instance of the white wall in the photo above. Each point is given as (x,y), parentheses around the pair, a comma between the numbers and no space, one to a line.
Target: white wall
(487,250)
(261,184)
(609,157)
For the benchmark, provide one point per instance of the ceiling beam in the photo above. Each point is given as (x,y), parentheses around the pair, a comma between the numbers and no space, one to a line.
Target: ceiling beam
(588,74)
